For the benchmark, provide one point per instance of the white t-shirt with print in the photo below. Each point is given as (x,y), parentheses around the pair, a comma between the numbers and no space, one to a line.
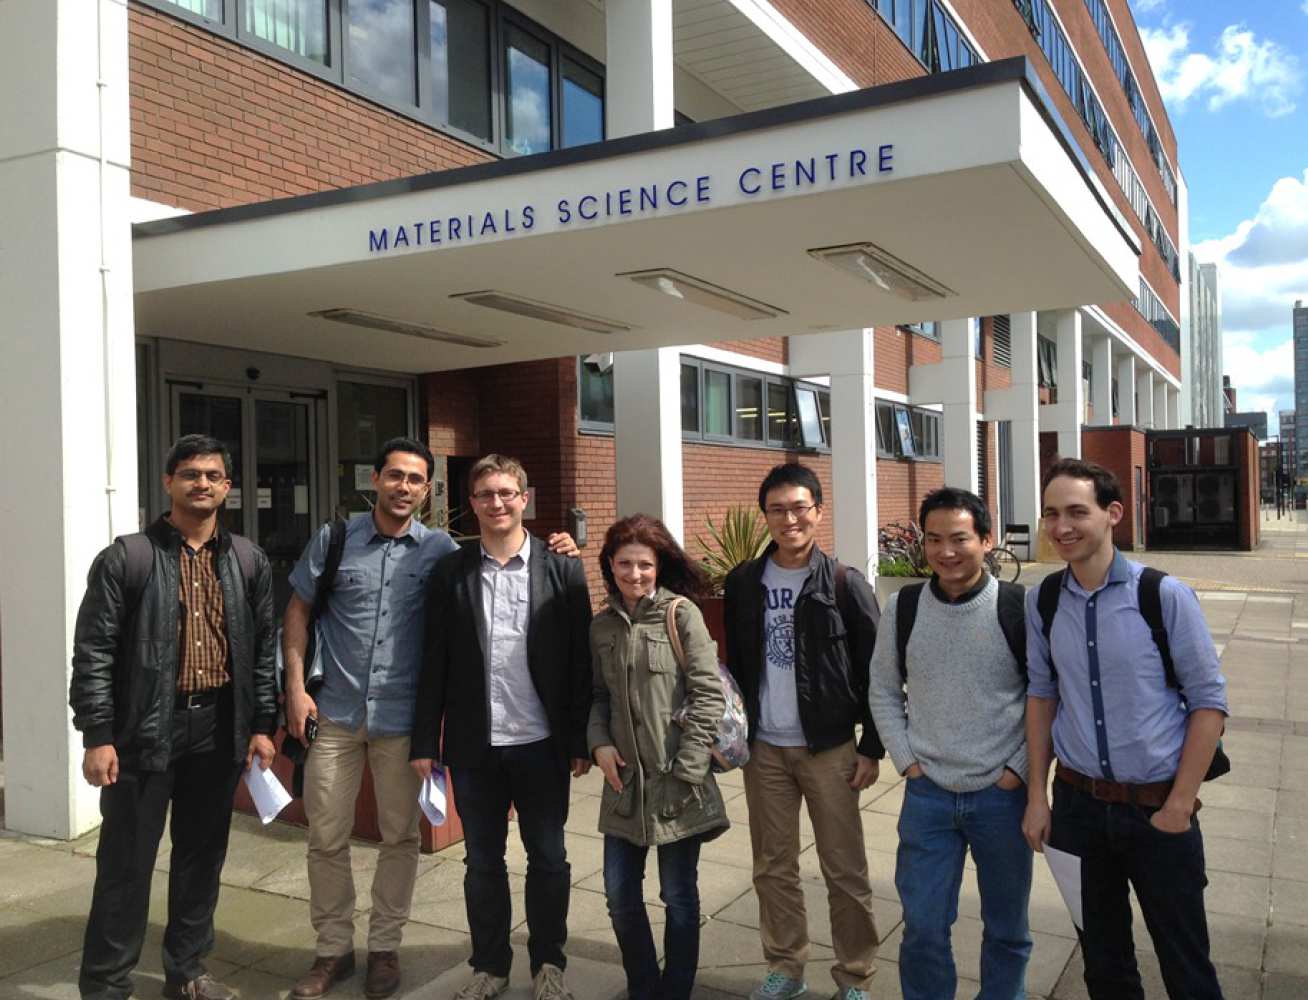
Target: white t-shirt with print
(778,722)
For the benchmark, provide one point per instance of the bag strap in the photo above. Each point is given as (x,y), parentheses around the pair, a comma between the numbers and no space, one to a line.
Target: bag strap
(674,636)
(243,549)
(1047,607)
(140,566)
(842,593)
(327,578)
(1012,621)
(1151,609)
(905,617)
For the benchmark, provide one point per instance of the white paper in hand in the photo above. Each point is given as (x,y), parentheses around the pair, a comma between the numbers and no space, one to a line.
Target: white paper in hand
(1066,869)
(431,797)
(269,796)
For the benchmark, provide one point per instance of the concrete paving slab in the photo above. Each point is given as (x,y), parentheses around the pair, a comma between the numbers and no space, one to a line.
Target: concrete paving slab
(1287,950)
(588,980)
(1278,986)
(1246,857)
(1237,824)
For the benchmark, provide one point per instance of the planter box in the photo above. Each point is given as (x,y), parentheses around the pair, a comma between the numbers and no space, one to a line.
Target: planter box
(887,585)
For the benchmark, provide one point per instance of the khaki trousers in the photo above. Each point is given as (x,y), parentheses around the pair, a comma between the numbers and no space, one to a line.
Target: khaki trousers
(332,774)
(776,779)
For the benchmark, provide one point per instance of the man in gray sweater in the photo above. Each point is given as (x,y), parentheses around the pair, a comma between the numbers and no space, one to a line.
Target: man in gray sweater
(958,739)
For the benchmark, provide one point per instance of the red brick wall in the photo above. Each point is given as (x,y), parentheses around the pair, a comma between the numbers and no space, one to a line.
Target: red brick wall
(851,34)
(894,351)
(1121,450)
(768,348)
(215,124)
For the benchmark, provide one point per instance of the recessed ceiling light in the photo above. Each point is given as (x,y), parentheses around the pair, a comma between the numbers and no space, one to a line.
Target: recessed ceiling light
(703,293)
(357,317)
(882,269)
(541,310)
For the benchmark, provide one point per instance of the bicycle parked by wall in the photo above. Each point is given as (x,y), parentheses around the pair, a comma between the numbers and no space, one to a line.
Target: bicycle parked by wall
(900,552)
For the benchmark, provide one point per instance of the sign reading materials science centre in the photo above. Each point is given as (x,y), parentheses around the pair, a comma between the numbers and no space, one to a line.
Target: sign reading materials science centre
(661,196)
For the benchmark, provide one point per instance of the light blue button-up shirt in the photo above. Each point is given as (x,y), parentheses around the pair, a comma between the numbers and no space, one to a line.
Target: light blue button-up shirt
(1117,717)
(372,628)
(517,715)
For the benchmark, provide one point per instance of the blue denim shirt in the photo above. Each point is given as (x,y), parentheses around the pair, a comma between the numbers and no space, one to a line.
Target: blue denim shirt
(372,628)
(1117,718)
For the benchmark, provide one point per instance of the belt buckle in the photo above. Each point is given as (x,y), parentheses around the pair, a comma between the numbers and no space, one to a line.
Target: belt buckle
(1094,789)
(191,702)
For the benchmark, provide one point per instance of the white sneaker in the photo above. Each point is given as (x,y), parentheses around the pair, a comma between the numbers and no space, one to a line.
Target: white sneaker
(549,984)
(482,986)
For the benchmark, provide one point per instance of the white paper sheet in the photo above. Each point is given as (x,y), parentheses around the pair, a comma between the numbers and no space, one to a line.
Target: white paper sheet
(269,796)
(431,797)
(1066,869)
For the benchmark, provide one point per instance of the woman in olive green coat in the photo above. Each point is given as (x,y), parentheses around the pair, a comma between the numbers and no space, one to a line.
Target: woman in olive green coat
(659,790)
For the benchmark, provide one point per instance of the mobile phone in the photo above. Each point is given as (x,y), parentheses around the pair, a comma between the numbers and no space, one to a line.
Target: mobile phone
(310,729)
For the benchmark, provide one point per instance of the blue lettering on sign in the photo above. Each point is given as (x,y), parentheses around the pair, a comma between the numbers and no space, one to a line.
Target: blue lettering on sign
(649,197)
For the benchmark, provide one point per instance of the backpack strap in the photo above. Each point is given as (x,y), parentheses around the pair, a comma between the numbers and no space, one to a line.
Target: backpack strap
(905,616)
(1047,606)
(243,549)
(1151,610)
(140,566)
(1012,621)
(674,636)
(327,579)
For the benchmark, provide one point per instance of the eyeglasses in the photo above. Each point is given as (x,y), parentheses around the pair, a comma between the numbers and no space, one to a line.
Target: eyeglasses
(786,513)
(195,475)
(505,496)
(394,477)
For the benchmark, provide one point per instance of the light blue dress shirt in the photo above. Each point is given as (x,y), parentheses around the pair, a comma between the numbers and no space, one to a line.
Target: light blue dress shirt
(517,715)
(372,629)
(1117,717)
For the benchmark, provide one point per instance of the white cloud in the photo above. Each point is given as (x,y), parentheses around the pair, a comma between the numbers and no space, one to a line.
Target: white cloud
(1240,67)
(1146,6)
(1262,269)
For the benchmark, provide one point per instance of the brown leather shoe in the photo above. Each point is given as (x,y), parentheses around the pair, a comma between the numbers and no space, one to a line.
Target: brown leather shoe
(383,974)
(325,973)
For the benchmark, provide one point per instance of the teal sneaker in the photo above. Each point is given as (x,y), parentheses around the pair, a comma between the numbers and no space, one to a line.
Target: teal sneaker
(775,986)
(852,993)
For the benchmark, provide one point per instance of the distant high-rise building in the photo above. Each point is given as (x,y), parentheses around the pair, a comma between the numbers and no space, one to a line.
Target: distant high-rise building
(1201,363)
(1228,399)
(1300,385)
(1289,456)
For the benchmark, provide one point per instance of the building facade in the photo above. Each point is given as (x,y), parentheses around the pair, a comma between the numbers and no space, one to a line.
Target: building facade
(652,247)
(1299,317)
(1289,454)
(1202,357)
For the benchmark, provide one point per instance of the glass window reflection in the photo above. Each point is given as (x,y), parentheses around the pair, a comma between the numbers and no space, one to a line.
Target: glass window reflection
(380,37)
(460,65)
(528,118)
(583,105)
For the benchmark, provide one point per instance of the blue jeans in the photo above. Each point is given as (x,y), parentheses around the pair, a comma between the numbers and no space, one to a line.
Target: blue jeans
(1118,846)
(936,828)
(624,872)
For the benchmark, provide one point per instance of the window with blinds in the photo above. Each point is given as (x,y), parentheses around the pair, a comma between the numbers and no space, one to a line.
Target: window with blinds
(1001,340)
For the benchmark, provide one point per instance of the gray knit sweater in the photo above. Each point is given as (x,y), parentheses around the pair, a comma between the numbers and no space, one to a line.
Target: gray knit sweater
(966,700)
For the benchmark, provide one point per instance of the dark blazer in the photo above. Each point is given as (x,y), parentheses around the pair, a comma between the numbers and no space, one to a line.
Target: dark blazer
(452,720)
(125,657)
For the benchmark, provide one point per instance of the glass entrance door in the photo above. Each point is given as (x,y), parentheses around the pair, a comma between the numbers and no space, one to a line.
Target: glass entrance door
(271,436)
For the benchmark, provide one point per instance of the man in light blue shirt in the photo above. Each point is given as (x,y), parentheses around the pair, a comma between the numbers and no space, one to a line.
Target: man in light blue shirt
(1132,746)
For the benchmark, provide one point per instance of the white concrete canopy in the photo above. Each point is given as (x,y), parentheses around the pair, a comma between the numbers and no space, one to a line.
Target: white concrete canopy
(1010,220)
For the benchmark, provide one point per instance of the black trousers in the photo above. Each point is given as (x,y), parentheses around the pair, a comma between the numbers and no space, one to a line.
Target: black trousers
(1119,849)
(533,778)
(199,784)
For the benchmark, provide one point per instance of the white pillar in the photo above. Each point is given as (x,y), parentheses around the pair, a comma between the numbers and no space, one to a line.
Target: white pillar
(958,387)
(854,447)
(1144,381)
(1174,401)
(646,384)
(1101,380)
(1160,405)
(1025,417)
(1126,389)
(1065,415)
(67,385)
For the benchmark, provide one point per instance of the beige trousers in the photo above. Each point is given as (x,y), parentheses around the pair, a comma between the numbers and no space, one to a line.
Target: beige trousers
(776,779)
(332,775)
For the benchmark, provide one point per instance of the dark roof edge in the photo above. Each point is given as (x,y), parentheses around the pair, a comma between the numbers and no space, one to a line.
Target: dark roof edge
(1017,68)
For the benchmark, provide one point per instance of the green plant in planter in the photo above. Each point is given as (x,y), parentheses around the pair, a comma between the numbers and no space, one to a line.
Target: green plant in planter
(742,536)
(897,567)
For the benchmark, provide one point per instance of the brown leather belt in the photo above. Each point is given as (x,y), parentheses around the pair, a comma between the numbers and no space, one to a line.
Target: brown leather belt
(1152,794)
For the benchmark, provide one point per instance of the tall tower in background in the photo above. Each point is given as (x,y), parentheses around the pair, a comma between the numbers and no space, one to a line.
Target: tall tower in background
(1204,349)
(1300,389)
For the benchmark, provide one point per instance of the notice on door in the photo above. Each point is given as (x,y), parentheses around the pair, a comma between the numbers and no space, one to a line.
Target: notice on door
(263,497)
(301,498)
(234,498)
(363,477)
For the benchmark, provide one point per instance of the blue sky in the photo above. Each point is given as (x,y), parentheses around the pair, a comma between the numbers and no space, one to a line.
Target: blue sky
(1234,79)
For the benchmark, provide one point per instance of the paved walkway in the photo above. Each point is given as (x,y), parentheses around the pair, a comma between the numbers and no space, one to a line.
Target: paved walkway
(1255,823)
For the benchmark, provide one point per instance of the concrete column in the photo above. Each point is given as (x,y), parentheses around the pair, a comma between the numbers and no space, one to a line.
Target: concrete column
(646,384)
(67,386)
(1065,415)
(958,396)
(1022,409)
(1101,380)
(854,447)
(1175,399)
(1126,388)
(1160,405)
(1144,384)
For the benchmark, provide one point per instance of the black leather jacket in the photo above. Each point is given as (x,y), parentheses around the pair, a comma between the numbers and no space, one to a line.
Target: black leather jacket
(831,660)
(125,665)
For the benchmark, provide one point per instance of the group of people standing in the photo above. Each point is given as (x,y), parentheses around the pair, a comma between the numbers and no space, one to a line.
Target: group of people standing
(406,653)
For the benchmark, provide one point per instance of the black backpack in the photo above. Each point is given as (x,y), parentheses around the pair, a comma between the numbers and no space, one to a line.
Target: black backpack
(140,566)
(1011,613)
(1151,610)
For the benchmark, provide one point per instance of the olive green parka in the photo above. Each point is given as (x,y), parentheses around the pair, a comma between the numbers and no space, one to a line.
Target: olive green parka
(668,791)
